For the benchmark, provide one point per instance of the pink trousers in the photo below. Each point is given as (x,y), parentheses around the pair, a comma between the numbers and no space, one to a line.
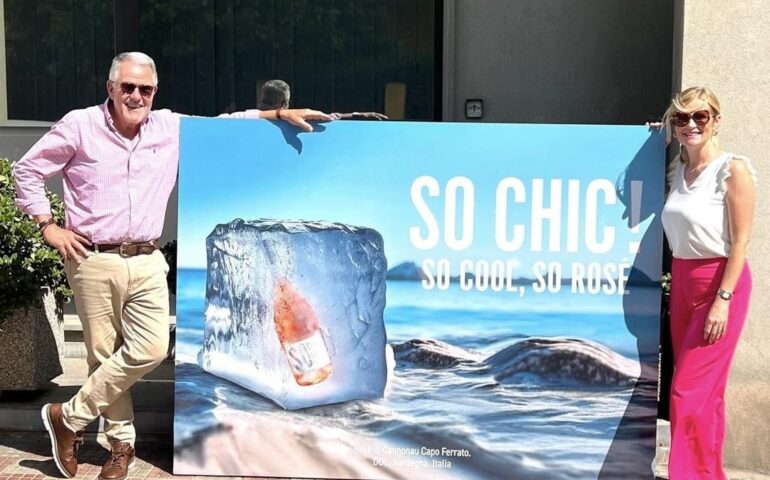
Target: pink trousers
(700,369)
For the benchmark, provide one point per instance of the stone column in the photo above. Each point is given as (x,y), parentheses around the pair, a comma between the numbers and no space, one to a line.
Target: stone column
(726,46)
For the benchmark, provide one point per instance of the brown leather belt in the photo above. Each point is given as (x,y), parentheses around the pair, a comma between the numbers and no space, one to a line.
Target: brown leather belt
(126,249)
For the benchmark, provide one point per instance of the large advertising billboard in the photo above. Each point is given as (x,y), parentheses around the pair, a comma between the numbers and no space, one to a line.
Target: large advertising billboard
(395,300)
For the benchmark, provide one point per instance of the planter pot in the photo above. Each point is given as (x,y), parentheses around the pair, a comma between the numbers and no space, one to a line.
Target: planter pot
(31,345)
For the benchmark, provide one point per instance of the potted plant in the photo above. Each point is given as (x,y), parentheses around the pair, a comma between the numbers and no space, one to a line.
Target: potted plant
(32,289)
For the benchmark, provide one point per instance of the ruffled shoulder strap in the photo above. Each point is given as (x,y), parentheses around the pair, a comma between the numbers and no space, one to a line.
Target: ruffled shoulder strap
(724,170)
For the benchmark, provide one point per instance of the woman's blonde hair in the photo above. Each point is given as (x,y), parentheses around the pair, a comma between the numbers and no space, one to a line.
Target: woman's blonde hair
(678,104)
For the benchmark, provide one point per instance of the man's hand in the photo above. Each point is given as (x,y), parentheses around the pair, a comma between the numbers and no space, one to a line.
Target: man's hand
(716,322)
(69,244)
(300,116)
(363,115)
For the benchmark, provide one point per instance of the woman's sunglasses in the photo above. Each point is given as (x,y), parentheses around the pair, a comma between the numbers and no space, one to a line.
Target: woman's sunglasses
(681,119)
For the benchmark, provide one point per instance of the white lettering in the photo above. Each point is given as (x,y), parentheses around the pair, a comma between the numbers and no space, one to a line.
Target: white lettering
(592,201)
(501,214)
(540,214)
(432,237)
(450,213)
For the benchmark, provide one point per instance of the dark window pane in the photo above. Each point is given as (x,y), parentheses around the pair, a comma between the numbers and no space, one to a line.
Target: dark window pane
(57,56)
(337,55)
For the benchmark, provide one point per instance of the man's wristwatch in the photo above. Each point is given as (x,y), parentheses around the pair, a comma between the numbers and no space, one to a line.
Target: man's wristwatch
(44,224)
(724,294)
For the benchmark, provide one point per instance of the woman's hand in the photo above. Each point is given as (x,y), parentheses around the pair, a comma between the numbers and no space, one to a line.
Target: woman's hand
(657,126)
(716,321)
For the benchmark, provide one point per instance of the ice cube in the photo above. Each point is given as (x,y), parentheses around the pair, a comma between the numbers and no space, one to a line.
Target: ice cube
(294,310)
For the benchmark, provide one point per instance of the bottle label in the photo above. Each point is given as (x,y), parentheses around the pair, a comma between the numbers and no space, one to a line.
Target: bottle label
(308,354)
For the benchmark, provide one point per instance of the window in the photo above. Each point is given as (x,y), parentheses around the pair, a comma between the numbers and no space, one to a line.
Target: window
(337,55)
(56,55)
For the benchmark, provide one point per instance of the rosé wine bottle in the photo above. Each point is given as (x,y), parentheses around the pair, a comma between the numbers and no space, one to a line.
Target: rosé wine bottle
(300,335)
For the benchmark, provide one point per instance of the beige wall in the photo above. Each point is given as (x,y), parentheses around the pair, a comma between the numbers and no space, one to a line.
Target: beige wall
(726,46)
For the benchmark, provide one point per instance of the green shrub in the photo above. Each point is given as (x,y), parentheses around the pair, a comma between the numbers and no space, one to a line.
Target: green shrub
(27,263)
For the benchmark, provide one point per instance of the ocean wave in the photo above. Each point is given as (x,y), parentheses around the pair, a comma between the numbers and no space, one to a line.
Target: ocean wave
(563,361)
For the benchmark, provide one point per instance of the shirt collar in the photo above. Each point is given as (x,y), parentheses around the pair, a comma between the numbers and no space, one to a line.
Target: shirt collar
(108,116)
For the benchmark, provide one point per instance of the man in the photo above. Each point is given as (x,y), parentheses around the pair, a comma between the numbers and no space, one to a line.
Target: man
(119,161)
(274,95)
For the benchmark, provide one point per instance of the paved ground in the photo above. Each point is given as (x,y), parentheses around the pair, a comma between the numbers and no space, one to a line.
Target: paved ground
(25,451)
(27,456)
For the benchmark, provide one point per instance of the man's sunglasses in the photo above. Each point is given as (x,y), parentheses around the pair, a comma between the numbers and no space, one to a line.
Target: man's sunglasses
(681,119)
(144,90)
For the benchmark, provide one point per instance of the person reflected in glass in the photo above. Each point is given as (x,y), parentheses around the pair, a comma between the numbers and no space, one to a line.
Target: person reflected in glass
(274,95)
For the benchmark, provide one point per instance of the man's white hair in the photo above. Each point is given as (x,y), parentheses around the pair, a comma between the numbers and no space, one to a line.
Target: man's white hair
(136,57)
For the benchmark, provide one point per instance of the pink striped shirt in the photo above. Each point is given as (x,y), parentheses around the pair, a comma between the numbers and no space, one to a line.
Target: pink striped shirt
(115,189)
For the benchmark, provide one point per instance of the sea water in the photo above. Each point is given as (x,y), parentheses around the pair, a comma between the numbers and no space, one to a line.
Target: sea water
(447,389)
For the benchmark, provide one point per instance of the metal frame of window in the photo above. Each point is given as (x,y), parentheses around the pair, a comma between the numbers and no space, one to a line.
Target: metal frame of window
(441,28)
(3,90)
(445,53)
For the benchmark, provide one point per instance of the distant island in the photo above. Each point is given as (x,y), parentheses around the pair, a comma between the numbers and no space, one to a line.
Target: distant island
(411,272)
(406,271)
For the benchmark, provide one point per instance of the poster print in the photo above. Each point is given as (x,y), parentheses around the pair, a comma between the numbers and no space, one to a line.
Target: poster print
(416,300)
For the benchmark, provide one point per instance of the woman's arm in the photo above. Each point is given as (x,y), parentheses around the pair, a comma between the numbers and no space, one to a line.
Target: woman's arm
(740,213)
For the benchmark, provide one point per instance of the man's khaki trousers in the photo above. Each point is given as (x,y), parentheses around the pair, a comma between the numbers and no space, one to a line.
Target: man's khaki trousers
(122,303)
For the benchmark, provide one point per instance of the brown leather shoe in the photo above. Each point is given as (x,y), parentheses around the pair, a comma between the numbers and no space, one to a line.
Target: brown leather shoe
(121,459)
(64,442)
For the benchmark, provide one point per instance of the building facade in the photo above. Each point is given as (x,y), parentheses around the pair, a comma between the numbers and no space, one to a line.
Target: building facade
(524,61)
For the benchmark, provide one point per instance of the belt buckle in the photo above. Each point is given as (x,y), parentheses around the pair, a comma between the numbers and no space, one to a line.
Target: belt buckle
(121,250)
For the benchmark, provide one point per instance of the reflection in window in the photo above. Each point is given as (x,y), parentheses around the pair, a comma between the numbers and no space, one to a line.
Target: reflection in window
(337,55)
(57,55)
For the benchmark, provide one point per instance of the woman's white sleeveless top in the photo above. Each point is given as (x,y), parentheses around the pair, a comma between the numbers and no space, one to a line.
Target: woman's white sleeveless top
(695,216)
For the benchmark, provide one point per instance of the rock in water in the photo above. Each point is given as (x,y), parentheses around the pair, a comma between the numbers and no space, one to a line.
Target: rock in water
(430,353)
(294,310)
(563,362)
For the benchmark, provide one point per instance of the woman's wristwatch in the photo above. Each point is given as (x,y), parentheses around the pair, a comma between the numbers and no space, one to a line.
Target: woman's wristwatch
(724,294)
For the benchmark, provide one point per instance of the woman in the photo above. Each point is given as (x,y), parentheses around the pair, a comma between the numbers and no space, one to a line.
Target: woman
(707,218)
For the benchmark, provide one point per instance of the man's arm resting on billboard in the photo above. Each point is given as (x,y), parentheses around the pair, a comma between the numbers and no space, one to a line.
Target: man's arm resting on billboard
(296,116)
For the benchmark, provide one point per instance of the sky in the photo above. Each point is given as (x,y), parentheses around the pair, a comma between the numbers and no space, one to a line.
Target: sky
(362,173)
